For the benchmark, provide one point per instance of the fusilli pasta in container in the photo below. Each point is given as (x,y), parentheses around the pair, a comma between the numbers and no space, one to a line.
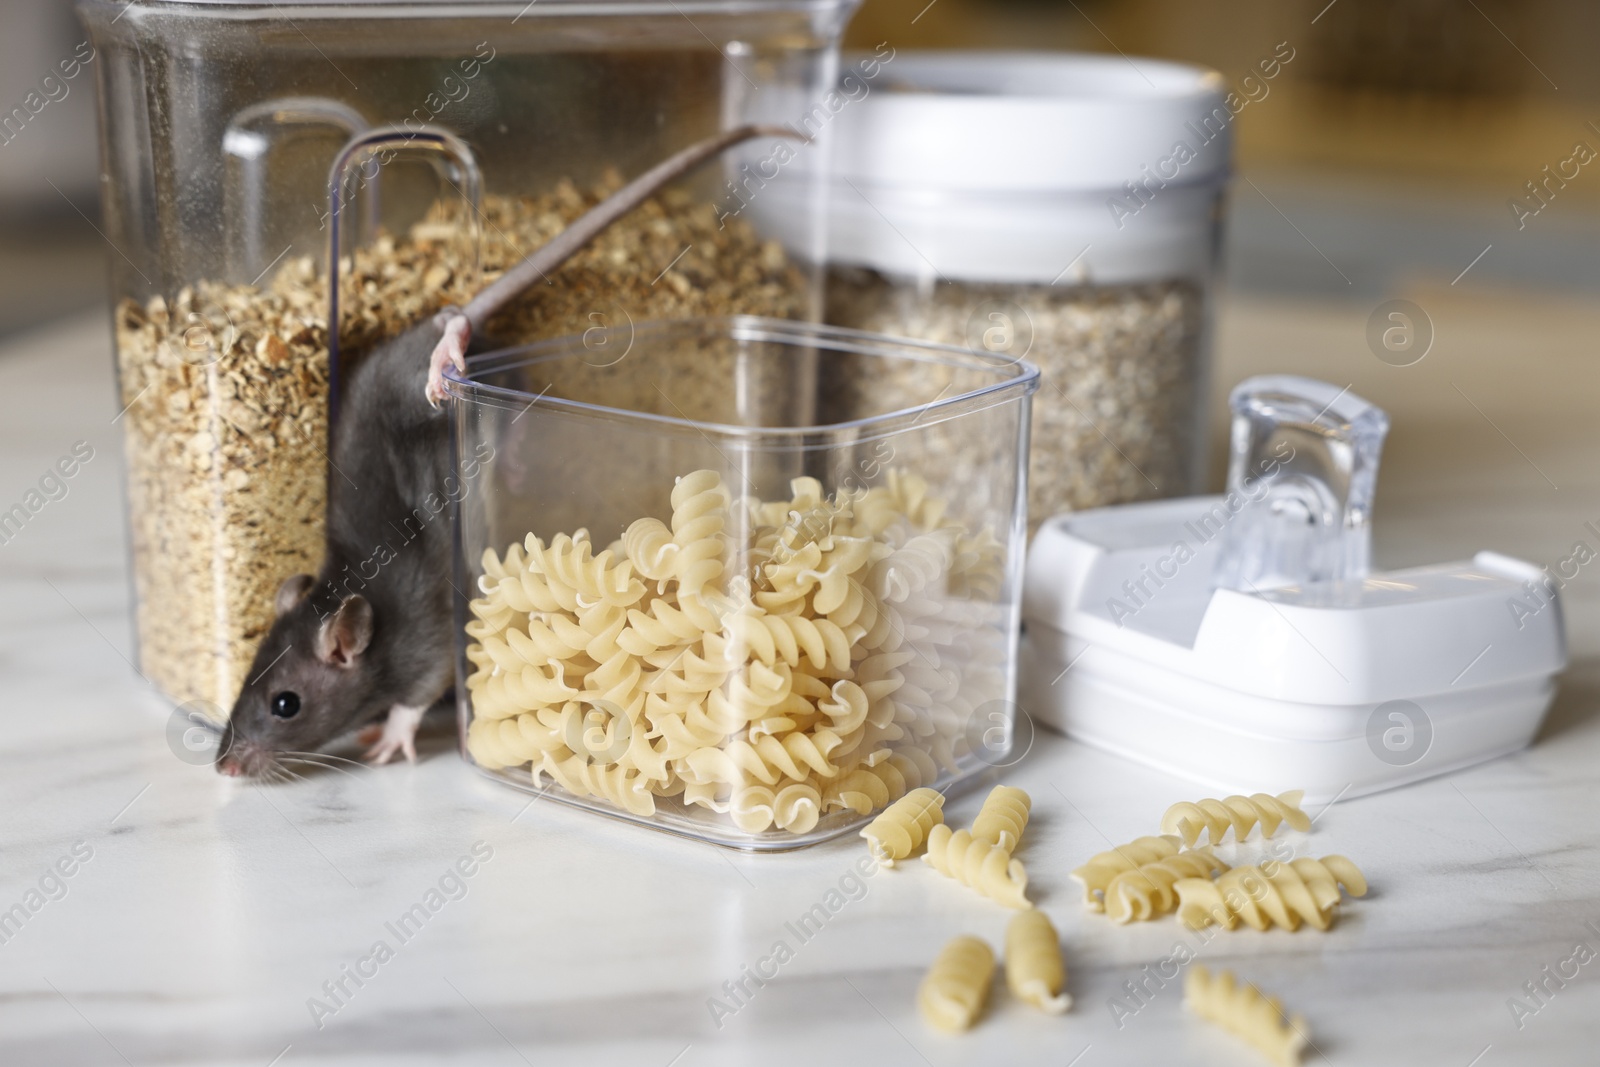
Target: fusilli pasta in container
(692,597)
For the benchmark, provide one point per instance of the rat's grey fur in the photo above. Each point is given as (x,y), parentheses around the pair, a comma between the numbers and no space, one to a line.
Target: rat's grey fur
(373,630)
(388,548)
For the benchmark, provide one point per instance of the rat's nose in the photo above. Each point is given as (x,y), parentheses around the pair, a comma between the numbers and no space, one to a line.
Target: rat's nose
(236,760)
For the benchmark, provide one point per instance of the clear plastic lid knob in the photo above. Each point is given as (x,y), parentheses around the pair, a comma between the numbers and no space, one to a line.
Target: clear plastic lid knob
(1301,476)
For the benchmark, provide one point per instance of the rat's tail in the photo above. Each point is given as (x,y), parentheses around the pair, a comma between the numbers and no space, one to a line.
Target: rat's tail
(571,240)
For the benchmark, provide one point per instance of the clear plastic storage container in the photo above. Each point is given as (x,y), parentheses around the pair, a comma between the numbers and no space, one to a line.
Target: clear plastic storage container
(709,603)
(437,143)
(1062,208)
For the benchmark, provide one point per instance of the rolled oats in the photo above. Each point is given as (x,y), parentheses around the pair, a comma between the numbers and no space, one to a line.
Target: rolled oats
(1116,415)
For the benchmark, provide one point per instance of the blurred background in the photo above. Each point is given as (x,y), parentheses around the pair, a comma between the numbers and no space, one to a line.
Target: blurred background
(51,259)
(1392,142)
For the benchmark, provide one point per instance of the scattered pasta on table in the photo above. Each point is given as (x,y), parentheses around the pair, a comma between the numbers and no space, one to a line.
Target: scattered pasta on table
(1097,874)
(903,827)
(1147,892)
(1303,890)
(1003,817)
(1239,813)
(1144,879)
(990,870)
(954,993)
(1247,1013)
(1034,971)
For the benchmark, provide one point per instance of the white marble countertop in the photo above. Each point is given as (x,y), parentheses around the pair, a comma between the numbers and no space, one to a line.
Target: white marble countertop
(207,915)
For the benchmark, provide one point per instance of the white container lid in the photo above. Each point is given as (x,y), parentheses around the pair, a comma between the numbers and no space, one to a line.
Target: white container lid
(1030,121)
(1006,167)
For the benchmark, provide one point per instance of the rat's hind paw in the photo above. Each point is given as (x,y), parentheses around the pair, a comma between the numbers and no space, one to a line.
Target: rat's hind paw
(450,351)
(399,734)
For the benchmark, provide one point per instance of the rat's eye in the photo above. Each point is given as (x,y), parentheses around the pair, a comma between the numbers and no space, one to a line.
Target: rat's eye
(286,704)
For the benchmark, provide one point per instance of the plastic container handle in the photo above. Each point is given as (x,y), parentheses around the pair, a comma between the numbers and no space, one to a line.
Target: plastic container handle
(1302,473)
(358,168)
(248,143)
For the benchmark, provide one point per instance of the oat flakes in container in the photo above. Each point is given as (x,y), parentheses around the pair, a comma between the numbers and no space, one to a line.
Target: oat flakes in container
(440,143)
(1060,208)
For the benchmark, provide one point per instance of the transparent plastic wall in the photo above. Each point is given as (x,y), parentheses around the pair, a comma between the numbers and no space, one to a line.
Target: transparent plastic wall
(689,599)
(438,144)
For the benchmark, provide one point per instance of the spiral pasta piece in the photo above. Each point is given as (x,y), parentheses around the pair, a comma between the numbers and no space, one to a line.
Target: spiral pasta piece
(497,743)
(868,788)
(953,994)
(521,591)
(599,733)
(796,756)
(795,808)
(1247,1013)
(513,691)
(1190,819)
(711,795)
(873,512)
(685,722)
(989,870)
(1003,817)
(662,626)
(823,643)
(844,557)
(910,494)
(862,790)
(846,708)
(1034,970)
(594,579)
(857,608)
(699,507)
(578,776)
(1287,894)
(1097,874)
(1147,891)
(618,682)
(649,545)
(495,568)
(540,643)
(913,568)
(903,826)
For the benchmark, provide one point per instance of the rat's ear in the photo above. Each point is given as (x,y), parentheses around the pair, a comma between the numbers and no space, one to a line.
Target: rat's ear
(346,633)
(291,592)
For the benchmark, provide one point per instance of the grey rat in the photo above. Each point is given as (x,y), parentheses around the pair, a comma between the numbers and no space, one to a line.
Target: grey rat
(371,634)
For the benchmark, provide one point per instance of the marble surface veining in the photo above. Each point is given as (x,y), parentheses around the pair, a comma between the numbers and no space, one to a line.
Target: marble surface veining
(204,922)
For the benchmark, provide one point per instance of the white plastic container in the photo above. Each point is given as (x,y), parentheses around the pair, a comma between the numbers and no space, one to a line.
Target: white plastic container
(1335,689)
(1034,205)
(1241,641)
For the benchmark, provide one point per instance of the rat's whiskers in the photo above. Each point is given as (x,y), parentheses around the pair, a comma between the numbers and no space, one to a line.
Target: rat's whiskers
(304,759)
(329,756)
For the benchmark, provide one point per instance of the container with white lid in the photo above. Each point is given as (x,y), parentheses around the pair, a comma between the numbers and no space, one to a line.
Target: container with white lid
(1055,207)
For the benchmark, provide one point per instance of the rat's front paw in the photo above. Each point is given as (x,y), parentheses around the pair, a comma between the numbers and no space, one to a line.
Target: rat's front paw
(399,734)
(451,351)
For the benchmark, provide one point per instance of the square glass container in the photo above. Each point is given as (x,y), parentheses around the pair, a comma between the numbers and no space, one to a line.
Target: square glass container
(437,143)
(700,597)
